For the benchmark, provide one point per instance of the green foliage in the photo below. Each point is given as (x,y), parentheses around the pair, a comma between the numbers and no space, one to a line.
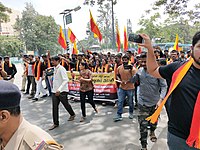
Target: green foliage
(10,45)
(175,23)
(179,8)
(39,33)
(4,17)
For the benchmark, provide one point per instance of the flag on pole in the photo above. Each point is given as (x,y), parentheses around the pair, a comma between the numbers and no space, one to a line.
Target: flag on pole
(176,43)
(71,36)
(118,42)
(75,50)
(125,40)
(61,39)
(94,28)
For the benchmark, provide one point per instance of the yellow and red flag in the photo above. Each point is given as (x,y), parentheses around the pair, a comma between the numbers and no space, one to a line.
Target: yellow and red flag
(75,50)
(125,40)
(61,39)
(94,28)
(176,43)
(118,42)
(71,36)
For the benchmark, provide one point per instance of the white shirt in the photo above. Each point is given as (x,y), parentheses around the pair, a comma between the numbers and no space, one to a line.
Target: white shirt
(60,79)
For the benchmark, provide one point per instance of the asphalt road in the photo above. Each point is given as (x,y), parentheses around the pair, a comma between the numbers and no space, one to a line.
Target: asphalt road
(98,132)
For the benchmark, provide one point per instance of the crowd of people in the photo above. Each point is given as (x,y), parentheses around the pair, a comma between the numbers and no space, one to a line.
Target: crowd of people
(137,76)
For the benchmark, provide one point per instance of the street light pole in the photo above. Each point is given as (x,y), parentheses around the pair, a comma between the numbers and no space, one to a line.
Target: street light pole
(67,12)
(113,27)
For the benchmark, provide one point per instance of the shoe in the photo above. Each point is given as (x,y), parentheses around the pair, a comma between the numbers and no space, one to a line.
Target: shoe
(71,118)
(96,110)
(53,127)
(117,118)
(32,94)
(130,116)
(35,99)
(43,96)
(23,90)
(115,106)
(153,137)
(103,104)
(26,93)
(30,97)
(82,119)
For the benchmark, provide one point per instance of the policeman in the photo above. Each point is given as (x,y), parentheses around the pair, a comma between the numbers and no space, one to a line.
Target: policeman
(15,132)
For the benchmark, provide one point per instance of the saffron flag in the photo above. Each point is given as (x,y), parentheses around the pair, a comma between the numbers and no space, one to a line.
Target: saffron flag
(94,28)
(61,39)
(71,36)
(118,42)
(125,40)
(75,50)
(176,43)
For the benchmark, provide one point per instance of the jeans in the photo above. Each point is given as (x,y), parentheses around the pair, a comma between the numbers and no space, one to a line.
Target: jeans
(122,95)
(177,143)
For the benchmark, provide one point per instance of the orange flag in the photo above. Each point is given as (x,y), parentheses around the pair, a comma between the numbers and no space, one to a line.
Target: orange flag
(75,50)
(125,40)
(71,36)
(118,42)
(176,43)
(61,39)
(94,28)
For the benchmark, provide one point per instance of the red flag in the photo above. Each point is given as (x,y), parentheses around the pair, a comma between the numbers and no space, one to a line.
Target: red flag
(94,28)
(71,36)
(118,42)
(125,40)
(61,39)
(139,50)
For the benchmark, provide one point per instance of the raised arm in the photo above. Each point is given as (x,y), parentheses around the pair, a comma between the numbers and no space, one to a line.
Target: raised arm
(152,65)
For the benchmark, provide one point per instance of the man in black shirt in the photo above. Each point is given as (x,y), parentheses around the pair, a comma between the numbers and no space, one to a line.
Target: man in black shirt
(183,98)
(9,68)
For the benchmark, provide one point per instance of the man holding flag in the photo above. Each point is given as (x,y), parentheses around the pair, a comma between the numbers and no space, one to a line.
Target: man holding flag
(184,111)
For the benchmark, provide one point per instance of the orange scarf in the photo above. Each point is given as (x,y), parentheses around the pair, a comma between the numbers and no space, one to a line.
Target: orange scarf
(105,68)
(37,77)
(193,139)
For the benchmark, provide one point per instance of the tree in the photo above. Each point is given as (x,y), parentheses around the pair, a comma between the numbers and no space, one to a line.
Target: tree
(4,17)
(10,45)
(39,33)
(179,7)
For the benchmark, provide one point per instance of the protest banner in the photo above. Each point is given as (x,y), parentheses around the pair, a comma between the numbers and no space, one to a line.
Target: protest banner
(104,85)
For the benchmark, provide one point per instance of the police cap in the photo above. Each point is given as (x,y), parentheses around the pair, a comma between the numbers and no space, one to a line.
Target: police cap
(9,95)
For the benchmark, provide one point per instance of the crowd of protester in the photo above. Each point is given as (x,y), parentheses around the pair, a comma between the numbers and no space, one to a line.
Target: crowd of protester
(134,83)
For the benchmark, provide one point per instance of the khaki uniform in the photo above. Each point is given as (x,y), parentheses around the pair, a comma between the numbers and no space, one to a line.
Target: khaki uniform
(31,137)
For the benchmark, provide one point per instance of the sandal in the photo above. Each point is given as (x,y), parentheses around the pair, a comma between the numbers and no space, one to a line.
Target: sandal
(153,137)
(82,119)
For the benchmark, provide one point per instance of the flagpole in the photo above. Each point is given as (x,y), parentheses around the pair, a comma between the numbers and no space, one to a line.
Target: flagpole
(81,45)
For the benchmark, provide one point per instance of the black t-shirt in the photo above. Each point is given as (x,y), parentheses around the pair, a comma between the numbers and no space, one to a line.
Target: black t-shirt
(183,99)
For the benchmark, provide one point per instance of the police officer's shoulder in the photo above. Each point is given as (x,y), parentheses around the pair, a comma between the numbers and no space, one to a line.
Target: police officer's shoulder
(36,137)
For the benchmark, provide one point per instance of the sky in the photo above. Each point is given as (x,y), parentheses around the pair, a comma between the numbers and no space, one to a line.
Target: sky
(124,9)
